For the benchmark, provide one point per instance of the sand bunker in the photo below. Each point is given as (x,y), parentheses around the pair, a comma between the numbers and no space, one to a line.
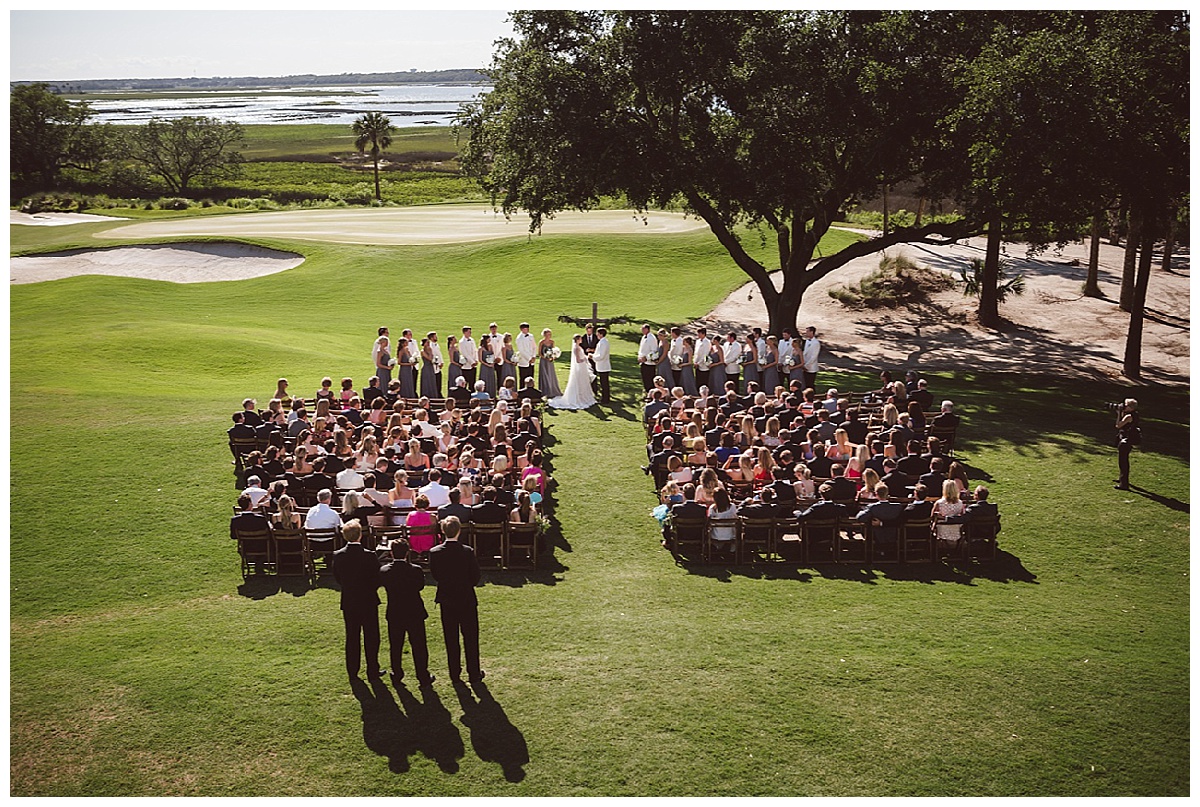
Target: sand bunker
(435,224)
(176,263)
(56,219)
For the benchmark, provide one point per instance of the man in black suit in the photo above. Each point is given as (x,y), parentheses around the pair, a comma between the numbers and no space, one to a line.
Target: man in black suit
(655,407)
(823,508)
(688,508)
(913,463)
(884,517)
(840,488)
(922,395)
(250,413)
(820,465)
(894,478)
(248,520)
(460,393)
(239,430)
(530,391)
(406,613)
(455,508)
(299,424)
(936,476)
(357,571)
(919,511)
(762,506)
(875,463)
(980,509)
(372,391)
(589,342)
(659,460)
(456,571)
(947,418)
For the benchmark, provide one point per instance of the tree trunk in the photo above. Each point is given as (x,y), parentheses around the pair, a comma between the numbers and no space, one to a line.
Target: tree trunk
(920,210)
(886,214)
(989,300)
(1114,230)
(1169,246)
(378,198)
(1133,343)
(1091,287)
(784,308)
(1132,241)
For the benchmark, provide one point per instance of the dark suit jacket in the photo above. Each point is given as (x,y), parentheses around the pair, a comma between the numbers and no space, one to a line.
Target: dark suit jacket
(759,510)
(462,511)
(933,483)
(354,416)
(247,521)
(912,464)
(689,510)
(924,397)
(461,395)
(889,513)
(297,426)
(824,509)
(948,420)
(357,571)
(590,342)
(403,582)
(820,466)
(841,489)
(982,511)
(456,571)
(918,512)
(897,483)
(251,418)
(241,431)
(488,513)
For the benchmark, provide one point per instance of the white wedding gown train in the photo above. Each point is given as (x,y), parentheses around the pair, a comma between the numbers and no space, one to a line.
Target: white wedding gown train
(578,394)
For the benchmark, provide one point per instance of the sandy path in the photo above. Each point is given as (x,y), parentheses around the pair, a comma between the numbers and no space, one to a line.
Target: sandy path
(56,219)
(177,263)
(1052,329)
(437,224)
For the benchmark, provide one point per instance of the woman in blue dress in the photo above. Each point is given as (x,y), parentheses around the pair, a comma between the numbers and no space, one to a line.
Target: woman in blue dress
(383,363)
(750,367)
(664,359)
(687,373)
(453,364)
(429,385)
(716,372)
(770,367)
(509,368)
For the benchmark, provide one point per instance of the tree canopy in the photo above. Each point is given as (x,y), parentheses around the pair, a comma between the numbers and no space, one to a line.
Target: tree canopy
(48,133)
(186,149)
(781,119)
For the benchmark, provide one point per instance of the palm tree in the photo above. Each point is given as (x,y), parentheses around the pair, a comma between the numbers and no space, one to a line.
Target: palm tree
(373,129)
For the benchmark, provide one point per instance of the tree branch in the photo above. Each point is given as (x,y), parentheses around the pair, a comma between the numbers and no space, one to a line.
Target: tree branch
(936,234)
(757,272)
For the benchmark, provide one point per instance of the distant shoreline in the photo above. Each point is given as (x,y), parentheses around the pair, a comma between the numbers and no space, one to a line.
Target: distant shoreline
(460,77)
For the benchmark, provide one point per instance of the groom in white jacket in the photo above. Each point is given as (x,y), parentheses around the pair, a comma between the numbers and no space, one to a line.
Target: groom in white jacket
(601,357)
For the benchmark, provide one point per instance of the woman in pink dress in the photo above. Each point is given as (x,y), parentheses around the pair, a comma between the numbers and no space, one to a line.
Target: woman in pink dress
(421,540)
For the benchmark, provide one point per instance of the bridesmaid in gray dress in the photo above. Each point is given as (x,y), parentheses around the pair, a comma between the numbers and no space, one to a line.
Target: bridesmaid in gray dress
(547,379)
(751,371)
(771,370)
(406,364)
(429,386)
(716,373)
(453,363)
(383,364)
(487,365)
(687,374)
(664,368)
(509,368)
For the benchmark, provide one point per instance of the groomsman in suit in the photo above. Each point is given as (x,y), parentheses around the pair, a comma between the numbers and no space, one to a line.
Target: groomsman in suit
(646,349)
(812,352)
(603,364)
(589,346)
(526,353)
(700,357)
(357,571)
(732,353)
(470,356)
(456,571)
(676,349)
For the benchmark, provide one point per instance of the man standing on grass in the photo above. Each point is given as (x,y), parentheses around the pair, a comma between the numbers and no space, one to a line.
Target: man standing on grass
(357,571)
(526,353)
(406,613)
(810,357)
(456,571)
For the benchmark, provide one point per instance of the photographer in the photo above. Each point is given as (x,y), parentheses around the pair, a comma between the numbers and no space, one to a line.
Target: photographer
(1129,434)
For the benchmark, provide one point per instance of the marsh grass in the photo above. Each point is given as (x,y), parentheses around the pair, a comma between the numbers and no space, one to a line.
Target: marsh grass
(141,664)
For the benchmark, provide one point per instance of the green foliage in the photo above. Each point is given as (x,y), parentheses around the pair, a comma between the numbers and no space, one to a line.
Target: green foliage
(48,133)
(897,283)
(1060,670)
(971,279)
(186,149)
(373,132)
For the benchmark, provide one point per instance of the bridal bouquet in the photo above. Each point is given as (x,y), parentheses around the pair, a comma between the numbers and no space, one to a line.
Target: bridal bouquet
(551,353)
(789,361)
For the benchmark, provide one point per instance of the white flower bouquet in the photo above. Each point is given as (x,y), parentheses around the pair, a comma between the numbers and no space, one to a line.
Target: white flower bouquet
(745,358)
(789,361)
(677,362)
(551,353)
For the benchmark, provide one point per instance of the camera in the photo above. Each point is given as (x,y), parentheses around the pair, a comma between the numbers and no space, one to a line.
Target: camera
(1114,407)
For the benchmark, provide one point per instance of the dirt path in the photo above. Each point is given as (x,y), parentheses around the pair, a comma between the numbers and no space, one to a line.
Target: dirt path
(1051,329)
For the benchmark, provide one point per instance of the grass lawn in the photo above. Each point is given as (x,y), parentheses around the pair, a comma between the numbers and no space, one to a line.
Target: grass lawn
(141,664)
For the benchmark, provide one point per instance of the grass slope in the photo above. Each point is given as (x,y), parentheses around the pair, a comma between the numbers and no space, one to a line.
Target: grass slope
(142,665)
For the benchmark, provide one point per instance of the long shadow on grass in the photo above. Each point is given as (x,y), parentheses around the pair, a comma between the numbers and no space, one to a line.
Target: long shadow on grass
(1005,568)
(1165,501)
(398,733)
(493,736)
(261,586)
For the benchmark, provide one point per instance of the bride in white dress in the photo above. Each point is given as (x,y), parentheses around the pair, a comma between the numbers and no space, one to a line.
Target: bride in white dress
(578,394)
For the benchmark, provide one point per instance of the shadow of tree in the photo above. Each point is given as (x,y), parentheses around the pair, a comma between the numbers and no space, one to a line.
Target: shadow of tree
(426,729)
(493,736)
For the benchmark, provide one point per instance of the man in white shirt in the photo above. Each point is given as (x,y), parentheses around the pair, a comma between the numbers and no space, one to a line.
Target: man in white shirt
(812,351)
(349,479)
(255,491)
(470,355)
(647,361)
(603,360)
(676,354)
(526,353)
(321,516)
(438,361)
(732,353)
(437,493)
(701,357)
(785,349)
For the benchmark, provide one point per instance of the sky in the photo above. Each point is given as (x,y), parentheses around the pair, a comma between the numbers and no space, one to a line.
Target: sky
(64,45)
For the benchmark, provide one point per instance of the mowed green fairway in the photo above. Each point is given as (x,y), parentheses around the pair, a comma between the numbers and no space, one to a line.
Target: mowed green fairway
(141,664)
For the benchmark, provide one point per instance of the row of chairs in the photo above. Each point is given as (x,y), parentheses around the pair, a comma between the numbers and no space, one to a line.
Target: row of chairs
(296,551)
(836,540)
